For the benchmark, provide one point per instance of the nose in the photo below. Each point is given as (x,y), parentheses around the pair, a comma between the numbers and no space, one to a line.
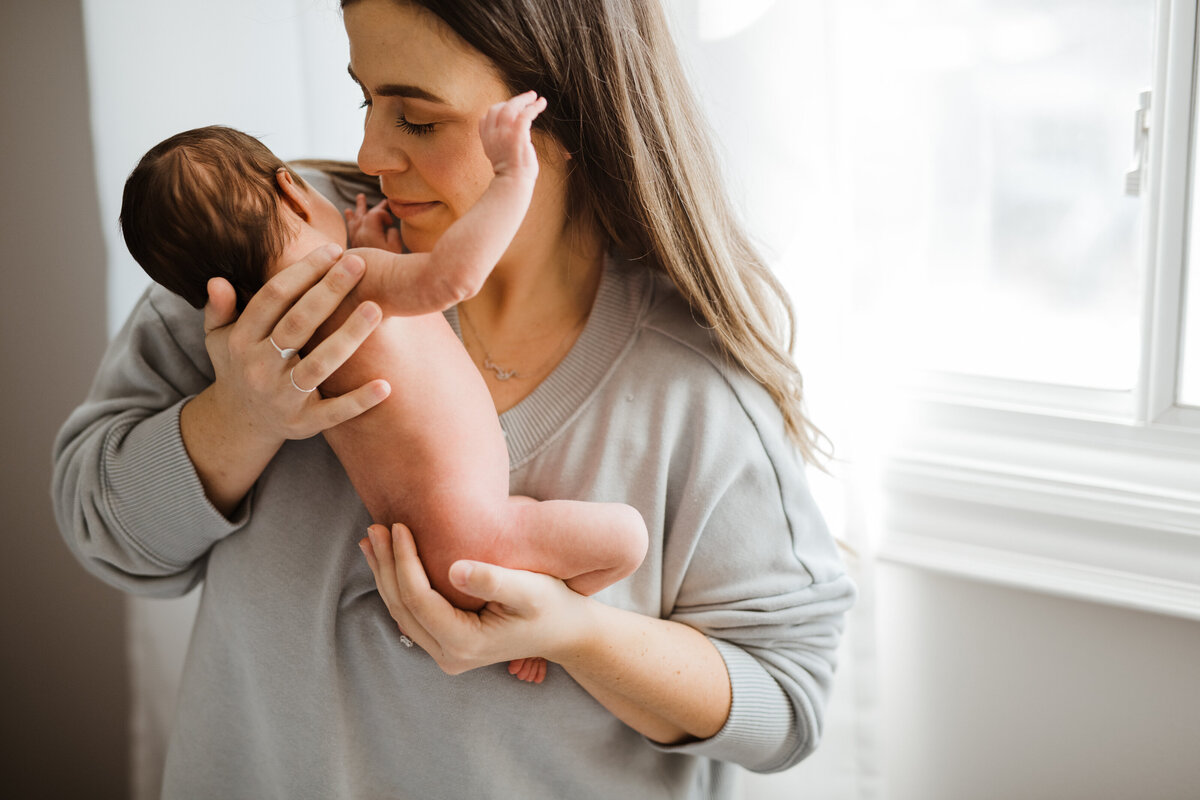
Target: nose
(379,152)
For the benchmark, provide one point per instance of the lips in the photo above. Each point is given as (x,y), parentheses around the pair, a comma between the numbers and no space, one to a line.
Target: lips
(404,210)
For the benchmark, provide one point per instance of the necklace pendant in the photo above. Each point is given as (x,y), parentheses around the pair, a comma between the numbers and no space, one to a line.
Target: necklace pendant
(501,373)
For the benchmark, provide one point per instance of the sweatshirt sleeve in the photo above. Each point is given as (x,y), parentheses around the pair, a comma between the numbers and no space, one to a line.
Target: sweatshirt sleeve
(126,495)
(749,562)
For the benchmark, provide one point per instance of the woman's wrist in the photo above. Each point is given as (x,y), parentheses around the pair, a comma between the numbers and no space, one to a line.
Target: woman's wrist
(662,678)
(227,451)
(580,641)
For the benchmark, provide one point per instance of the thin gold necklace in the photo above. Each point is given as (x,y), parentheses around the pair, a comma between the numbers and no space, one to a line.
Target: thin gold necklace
(503,374)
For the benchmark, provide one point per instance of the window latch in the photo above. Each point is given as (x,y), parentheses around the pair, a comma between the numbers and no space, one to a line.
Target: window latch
(1135,177)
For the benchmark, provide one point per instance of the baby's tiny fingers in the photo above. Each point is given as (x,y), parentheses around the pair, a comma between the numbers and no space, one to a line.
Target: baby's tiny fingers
(532,110)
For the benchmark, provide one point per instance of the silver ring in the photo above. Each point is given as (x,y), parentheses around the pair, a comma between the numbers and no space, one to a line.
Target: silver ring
(285,353)
(292,378)
(404,640)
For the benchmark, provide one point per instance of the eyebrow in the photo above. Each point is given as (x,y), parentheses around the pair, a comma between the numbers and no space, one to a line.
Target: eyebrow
(400,90)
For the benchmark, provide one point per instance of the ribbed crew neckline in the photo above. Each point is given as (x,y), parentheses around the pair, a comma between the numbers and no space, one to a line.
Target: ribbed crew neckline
(620,301)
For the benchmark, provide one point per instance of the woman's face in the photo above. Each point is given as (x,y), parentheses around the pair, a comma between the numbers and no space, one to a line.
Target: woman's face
(424,92)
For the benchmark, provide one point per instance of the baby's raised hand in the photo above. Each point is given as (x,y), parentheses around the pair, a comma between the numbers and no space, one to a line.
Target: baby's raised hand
(504,131)
(371,227)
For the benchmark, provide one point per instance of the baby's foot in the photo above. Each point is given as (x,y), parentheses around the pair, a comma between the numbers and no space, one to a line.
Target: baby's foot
(530,670)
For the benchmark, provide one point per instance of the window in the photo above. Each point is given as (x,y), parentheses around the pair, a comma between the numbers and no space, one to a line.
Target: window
(943,187)
(1071,467)
(1189,385)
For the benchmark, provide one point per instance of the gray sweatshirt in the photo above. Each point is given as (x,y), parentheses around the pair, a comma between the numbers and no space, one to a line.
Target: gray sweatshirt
(296,684)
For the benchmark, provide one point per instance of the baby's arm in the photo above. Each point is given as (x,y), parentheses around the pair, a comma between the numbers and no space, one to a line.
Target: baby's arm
(423,283)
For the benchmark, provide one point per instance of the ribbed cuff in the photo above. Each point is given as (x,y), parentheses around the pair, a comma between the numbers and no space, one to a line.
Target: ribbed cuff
(155,494)
(760,733)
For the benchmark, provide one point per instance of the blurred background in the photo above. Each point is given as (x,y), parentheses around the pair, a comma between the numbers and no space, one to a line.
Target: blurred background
(988,253)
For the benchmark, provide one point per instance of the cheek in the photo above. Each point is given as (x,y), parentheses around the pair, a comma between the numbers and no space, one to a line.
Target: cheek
(463,173)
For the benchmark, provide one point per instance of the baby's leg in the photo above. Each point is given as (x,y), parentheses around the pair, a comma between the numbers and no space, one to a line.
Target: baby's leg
(432,454)
(588,545)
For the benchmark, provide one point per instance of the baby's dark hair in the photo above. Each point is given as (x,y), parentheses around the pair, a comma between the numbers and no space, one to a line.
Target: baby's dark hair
(204,204)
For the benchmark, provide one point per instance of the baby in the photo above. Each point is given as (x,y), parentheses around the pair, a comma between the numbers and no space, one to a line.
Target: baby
(215,202)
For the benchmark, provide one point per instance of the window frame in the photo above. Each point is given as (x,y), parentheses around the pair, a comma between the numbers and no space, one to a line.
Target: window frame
(1078,492)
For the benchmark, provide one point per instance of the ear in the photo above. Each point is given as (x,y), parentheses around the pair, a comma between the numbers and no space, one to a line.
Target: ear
(295,197)
(548,147)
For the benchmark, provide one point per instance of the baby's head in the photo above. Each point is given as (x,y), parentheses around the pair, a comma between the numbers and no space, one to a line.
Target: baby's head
(215,202)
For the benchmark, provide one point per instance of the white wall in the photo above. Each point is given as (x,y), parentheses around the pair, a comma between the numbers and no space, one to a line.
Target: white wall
(272,68)
(989,692)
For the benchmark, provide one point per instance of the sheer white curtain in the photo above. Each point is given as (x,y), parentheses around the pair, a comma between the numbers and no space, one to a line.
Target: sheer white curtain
(276,69)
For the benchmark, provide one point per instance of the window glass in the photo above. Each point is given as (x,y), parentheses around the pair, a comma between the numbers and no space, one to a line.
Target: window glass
(963,162)
(991,140)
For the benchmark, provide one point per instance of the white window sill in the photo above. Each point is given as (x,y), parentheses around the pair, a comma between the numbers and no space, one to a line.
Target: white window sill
(1094,510)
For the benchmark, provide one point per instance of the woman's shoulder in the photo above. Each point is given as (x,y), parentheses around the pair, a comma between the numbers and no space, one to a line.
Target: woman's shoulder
(171,310)
(669,319)
(688,344)
(163,322)
(678,356)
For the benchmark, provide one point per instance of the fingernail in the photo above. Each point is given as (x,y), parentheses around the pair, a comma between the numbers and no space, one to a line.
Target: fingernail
(463,570)
(332,250)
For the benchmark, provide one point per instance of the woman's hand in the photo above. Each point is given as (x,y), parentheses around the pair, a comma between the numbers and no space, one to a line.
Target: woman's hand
(256,382)
(263,392)
(527,614)
(662,678)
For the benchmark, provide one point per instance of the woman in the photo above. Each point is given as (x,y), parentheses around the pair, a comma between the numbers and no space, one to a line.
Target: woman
(618,336)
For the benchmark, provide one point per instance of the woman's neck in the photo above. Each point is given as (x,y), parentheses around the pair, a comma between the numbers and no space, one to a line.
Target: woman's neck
(540,283)
(530,312)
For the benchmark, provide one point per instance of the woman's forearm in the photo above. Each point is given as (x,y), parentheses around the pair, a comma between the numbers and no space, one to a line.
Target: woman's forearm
(662,678)
(228,458)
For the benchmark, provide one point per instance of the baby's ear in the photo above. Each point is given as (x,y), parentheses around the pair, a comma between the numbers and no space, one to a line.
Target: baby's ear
(295,197)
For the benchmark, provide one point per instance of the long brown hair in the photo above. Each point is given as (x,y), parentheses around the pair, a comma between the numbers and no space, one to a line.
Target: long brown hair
(642,166)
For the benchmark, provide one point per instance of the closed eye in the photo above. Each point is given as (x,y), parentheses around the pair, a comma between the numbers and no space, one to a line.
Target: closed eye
(414,128)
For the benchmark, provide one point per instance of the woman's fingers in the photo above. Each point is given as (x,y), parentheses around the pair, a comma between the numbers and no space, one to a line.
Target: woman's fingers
(333,411)
(377,547)
(278,296)
(412,583)
(317,303)
(221,308)
(492,583)
(329,355)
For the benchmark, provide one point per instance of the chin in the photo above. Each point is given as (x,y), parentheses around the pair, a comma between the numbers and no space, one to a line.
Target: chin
(417,241)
